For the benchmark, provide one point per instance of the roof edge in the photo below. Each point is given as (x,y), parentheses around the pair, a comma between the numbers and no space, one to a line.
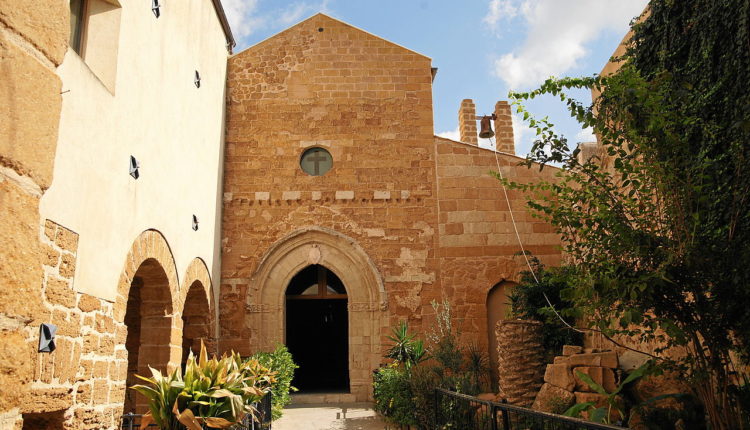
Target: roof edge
(231,43)
(337,20)
(507,154)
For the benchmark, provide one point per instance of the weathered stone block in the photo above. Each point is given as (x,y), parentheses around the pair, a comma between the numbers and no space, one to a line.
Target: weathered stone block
(29,110)
(553,399)
(560,376)
(601,375)
(604,359)
(87,303)
(571,349)
(66,239)
(58,292)
(49,35)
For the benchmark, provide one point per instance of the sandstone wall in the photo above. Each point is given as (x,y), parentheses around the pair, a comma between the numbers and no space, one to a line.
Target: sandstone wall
(324,83)
(29,114)
(477,241)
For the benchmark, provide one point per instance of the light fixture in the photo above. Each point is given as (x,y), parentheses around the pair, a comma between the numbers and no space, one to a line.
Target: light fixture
(47,337)
(197,79)
(195,223)
(134,167)
(156,8)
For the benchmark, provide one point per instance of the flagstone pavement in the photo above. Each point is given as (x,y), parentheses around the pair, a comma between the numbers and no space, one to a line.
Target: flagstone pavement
(330,416)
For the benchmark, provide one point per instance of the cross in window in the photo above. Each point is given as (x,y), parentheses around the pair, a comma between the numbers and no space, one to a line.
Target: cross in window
(317,158)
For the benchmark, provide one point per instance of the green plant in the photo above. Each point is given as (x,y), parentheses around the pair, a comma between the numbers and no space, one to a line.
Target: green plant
(658,223)
(214,392)
(393,396)
(604,414)
(406,349)
(281,362)
(532,297)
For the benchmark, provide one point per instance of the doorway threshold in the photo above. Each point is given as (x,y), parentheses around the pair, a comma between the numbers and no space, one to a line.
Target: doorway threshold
(322,398)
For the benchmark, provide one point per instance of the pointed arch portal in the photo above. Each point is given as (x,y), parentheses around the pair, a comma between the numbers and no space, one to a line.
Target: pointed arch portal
(348,270)
(317,330)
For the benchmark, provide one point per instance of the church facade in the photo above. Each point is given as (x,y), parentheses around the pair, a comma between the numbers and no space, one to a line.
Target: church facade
(158,191)
(331,160)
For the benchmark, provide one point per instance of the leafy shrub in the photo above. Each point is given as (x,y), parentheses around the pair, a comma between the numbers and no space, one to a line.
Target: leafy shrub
(392,392)
(528,301)
(405,394)
(281,363)
(216,392)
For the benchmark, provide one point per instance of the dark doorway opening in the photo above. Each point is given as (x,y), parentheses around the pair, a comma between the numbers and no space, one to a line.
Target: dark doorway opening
(317,330)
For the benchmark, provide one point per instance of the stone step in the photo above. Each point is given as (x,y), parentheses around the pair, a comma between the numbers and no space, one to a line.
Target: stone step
(322,398)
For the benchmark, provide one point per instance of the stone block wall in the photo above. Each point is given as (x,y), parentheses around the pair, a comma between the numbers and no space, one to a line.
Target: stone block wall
(30,104)
(562,385)
(476,238)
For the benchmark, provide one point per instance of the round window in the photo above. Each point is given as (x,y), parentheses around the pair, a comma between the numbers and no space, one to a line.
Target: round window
(316,161)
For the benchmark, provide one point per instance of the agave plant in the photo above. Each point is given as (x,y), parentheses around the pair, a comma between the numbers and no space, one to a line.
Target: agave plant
(217,393)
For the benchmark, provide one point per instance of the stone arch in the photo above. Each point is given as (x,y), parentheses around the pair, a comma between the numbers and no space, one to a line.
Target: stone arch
(366,294)
(144,311)
(196,305)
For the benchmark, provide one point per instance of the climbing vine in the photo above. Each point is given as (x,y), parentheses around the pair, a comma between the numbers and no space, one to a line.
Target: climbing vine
(657,223)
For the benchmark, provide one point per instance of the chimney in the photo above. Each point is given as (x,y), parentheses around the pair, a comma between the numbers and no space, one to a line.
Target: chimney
(467,122)
(504,128)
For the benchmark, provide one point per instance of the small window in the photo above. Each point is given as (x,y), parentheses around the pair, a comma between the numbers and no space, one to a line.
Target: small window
(316,161)
(76,24)
(94,36)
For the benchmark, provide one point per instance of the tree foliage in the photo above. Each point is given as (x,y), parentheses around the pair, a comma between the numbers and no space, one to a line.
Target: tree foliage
(659,224)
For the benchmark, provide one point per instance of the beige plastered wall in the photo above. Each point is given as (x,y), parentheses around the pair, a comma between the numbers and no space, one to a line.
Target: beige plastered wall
(155,113)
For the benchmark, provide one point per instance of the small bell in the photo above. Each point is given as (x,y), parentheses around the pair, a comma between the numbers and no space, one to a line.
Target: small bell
(485,131)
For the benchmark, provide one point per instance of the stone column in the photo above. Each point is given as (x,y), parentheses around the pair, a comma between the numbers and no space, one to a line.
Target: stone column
(467,122)
(504,128)
(520,360)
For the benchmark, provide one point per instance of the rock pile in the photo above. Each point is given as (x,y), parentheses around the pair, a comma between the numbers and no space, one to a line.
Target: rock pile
(563,388)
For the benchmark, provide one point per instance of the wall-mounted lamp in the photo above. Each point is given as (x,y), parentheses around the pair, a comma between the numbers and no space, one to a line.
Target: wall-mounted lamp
(156,8)
(197,79)
(47,337)
(135,165)
(195,223)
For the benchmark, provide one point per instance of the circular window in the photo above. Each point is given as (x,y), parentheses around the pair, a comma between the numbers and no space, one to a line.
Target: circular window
(316,161)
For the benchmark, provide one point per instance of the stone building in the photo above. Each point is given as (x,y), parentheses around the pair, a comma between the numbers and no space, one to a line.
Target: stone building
(331,213)
(332,162)
(108,148)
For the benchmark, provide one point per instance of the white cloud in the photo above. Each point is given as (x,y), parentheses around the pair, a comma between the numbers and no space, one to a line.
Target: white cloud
(294,13)
(586,135)
(245,19)
(557,34)
(500,9)
(453,134)
(241,17)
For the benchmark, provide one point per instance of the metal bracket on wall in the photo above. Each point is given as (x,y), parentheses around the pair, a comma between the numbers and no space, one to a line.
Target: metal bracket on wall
(195,223)
(47,337)
(156,8)
(135,166)
(197,79)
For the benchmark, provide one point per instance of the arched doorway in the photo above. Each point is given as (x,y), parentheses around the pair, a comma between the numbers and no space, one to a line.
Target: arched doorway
(498,307)
(196,322)
(317,330)
(148,317)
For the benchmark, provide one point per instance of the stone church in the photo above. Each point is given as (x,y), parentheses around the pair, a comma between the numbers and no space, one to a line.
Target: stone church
(157,191)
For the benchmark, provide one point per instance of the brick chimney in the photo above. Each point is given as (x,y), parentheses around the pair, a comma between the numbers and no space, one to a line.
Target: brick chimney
(467,122)
(503,128)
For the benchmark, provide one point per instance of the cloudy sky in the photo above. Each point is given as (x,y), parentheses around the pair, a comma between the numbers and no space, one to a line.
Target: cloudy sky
(482,48)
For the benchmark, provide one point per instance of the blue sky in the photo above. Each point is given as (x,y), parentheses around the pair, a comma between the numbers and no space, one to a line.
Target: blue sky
(482,48)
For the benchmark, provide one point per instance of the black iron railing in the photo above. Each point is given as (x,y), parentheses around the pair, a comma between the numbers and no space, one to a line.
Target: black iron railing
(454,411)
(259,420)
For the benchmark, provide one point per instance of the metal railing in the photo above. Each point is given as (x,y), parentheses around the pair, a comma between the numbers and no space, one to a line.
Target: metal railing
(455,411)
(260,420)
